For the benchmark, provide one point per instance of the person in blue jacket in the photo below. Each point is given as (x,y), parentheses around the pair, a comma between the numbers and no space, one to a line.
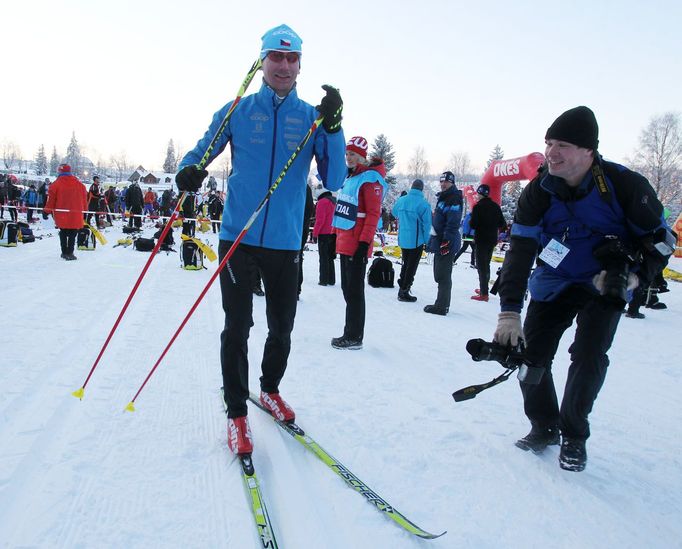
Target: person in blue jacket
(445,241)
(30,198)
(414,225)
(263,132)
(597,231)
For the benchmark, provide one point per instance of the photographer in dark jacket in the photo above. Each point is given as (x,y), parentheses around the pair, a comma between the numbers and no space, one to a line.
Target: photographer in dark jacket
(445,241)
(600,231)
(486,220)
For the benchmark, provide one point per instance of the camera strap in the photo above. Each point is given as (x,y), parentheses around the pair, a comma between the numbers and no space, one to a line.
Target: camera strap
(600,181)
(472,390)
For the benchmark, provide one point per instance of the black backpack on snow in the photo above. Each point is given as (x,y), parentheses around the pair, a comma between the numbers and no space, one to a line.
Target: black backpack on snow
(144,244)
(26,233)
(381,273)
(191,256)
(86,239)
(9,233)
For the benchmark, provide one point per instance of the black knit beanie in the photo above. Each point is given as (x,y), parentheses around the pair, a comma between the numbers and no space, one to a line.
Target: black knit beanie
(577,126)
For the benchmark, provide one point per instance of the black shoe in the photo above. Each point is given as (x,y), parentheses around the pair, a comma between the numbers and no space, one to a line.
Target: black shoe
(634,314)
(657,306)
(321,283)
(433,309)
(573,456)
(259,292)
(345,342)
(404,295)
(70,257)
(538,439)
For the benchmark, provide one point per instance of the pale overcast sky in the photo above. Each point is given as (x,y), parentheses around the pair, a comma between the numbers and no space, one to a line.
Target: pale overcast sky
(450,76)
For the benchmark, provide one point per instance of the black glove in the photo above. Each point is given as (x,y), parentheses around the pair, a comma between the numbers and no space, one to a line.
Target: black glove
(445,247)
(361,252)
(330,107)
(190,178)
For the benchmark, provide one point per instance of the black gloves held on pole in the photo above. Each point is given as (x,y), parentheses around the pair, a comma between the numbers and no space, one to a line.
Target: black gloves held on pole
(190,178)
(330,107)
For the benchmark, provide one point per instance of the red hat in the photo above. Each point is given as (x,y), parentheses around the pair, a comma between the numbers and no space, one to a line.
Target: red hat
(64,168)
(358,145)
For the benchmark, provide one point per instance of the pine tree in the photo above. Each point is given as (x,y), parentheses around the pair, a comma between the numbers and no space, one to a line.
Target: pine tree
(170,165)
(496,154)
(41,161)
(54,161)
(384,150)
(73,155)
(511,192)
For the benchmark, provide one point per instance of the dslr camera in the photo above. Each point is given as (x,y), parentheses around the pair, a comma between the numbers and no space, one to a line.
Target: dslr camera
(616,259)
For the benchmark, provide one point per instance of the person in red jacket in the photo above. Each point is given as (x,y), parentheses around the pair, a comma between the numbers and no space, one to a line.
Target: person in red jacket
(323,232)
(357,213)
(67,199)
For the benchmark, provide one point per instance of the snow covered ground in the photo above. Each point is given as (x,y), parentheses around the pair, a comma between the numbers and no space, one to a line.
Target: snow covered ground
(89,475)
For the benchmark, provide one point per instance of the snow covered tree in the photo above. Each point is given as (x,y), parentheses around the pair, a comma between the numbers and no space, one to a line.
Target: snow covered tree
(170,165)
(73,155)
(659,158)
(41,161)
(11,154)
(384,150)
(54,161)
(418,166)
(120,165)
(510,197)
(496,154)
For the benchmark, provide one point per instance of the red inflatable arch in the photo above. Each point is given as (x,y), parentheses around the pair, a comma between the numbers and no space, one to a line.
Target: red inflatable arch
(513,169)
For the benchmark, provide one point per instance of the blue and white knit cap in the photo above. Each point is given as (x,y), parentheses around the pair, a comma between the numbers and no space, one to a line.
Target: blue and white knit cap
(281,38)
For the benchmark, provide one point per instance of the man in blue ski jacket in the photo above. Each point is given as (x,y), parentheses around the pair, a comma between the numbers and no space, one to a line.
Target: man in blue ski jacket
(445,241)
(597,230)
(414,226)
(263,132)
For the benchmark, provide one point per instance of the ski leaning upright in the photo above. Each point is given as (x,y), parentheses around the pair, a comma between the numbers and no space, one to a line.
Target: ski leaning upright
(341,470)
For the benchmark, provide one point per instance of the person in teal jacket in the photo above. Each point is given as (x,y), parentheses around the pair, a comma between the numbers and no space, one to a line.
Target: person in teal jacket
(263,132)
(414,225)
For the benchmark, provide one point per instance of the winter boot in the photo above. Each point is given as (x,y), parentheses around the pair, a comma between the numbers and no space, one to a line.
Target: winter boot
(634,314)
(538,439)
(573,455)
(277,407)
(404,295)
(239,435)
(480,297)
(435,310)
(345,342)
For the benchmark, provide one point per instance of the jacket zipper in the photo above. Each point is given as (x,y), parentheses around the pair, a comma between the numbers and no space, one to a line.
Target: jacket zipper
(272,164)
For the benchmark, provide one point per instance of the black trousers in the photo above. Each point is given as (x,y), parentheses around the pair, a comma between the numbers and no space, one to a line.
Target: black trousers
(353,287)
(326,247)
(411,257)
(465,245)
(442,274)
(67,240)
(597,321)
(135,212)
(280,276)
(484,255)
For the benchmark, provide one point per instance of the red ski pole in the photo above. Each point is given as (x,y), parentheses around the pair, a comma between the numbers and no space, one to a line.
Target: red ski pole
(202,163)
(131,405)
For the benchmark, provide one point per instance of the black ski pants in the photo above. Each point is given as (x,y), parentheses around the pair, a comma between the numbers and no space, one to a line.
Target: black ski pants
(326,247)
(411,257)
(484,255)
(67,240)
(597,321)
(466,244)
(279,270)
(353,287)
(135,219)
(442,274)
